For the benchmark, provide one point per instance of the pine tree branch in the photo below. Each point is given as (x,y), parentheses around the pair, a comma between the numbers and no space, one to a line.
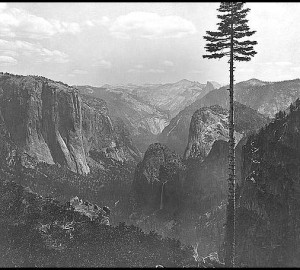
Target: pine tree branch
(214,55)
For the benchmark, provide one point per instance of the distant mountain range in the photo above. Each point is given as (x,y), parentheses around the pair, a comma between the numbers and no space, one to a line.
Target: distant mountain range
(161,112)
(266,98)
(147,109)
(169,97)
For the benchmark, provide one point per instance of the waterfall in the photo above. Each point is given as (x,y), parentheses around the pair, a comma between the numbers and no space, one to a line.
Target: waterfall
(161,196)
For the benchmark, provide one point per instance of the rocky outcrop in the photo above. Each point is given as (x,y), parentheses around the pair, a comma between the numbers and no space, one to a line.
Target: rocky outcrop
(268,214)
(209,124)
(92,211)
(175,135)
(104,133)
(171,201)
(44,120)
(49,121)
(158,179)
(206,180)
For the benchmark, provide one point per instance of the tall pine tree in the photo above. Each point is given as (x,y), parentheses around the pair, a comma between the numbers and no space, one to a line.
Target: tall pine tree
(229,40)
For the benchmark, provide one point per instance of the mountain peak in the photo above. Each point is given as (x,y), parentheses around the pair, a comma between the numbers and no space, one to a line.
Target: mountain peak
(213,84)
(183,81)
(255,81)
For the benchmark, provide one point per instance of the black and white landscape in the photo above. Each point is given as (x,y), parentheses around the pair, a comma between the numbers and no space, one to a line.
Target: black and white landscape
(115,136)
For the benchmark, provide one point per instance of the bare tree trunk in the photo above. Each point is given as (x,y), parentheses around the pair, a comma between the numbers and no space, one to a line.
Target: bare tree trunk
(230,224)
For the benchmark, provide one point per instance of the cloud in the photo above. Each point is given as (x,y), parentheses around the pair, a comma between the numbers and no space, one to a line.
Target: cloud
(246,70)
(196,71)
(168,63)
(89,23)
(140,69)
(139,66)
(156,70)
(53,56)
(8,53)
(3,6)
(7,61)
(279,63)
(134,70)
(283,64)
(104,21)
(151,25)
(16,22)
(33,51)
(79,71)
(102,64)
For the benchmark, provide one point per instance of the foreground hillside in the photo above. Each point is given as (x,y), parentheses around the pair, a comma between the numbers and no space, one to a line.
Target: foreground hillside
(268,214)
(41,232)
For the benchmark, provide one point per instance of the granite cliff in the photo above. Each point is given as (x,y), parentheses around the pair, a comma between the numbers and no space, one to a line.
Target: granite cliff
(52,123)
(158,179)
(196,128)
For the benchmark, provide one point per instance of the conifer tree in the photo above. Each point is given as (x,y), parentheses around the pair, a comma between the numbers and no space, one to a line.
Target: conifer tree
(229,41)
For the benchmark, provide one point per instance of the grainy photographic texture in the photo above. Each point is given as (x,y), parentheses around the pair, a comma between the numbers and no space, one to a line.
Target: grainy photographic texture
(149,134)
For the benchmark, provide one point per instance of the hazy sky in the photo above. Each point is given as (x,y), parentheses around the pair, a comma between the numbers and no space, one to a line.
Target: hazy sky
(116,43)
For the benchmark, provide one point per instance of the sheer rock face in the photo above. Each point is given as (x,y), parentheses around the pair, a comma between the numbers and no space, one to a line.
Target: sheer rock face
(158,178)
(101,132)
(206,181)
(268,213)
(199,126)
(210,124)
(207,126)
(48,121)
